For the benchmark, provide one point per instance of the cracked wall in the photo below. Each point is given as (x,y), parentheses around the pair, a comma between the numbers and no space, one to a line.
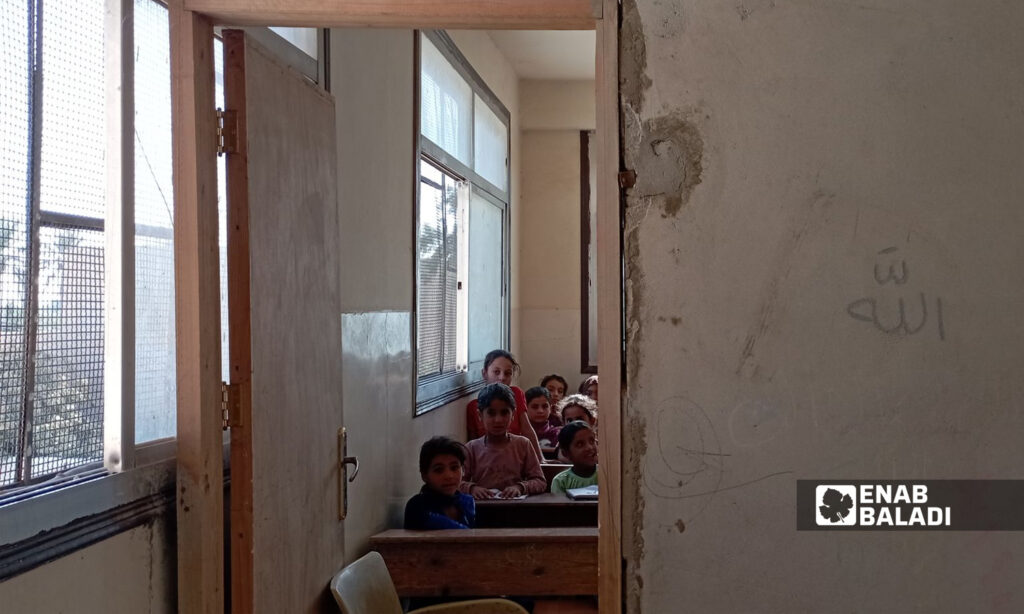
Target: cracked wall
(789,157)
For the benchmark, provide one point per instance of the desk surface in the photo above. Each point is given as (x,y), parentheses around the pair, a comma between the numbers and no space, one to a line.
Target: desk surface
(546,510)
(545,500)
(527,535)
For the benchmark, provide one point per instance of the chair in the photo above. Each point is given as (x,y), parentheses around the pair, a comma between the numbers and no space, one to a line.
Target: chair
(365,587)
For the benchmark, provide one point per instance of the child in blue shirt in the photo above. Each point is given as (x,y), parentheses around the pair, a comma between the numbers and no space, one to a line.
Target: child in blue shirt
(440,505)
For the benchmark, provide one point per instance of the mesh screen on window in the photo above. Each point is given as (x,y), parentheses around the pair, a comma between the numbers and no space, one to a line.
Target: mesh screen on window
(14,176)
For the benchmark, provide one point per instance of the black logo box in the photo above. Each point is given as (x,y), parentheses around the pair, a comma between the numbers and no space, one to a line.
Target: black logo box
(975,505)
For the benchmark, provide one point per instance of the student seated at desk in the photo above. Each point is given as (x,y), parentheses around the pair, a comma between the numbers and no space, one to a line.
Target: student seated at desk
(578,443)
(542,419)
(576,407)
(499,368)
(500,464)
(440,505)
(557,386)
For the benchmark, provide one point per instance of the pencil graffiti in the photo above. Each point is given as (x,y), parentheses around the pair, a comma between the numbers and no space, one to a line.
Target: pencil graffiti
(907,321)
(686,462)
(892,276)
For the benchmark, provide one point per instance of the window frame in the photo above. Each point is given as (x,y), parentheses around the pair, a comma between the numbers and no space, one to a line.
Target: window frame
(53,515)
(435,390)
(588,256)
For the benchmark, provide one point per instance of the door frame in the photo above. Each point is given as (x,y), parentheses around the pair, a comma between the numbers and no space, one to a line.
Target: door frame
(200,503)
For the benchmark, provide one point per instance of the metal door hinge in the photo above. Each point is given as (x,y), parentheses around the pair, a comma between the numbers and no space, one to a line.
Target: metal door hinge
(627,179)
(230,405)
(227,131)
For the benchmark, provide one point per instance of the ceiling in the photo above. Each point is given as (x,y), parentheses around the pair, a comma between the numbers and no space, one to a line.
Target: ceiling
(549,54)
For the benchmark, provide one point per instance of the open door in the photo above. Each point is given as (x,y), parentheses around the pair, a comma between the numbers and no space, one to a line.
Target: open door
(285,335)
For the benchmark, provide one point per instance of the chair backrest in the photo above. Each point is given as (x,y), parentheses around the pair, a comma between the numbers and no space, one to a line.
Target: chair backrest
(551,470)
(365,587)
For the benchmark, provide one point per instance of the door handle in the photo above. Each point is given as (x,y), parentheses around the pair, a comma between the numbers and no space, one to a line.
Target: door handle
(343,461)
(350,460)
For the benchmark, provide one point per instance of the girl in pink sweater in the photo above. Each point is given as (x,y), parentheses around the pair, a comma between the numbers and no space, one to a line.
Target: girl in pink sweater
(500,464)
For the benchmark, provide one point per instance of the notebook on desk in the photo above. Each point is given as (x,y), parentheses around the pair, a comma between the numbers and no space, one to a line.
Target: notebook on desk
(587,493)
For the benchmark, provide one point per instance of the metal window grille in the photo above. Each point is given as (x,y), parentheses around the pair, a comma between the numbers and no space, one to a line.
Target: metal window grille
(16,45)
(52,209)
(66,423)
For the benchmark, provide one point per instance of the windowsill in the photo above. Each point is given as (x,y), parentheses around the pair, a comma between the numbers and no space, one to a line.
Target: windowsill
(58,520)
(445,390)
(48,510)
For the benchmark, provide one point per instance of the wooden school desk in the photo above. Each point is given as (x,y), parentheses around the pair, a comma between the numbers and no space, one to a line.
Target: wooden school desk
(490,562)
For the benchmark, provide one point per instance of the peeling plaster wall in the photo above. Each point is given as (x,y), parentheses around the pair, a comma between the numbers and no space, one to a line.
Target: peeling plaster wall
(780,147)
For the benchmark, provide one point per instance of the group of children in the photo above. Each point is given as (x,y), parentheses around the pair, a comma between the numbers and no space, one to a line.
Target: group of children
(510,433)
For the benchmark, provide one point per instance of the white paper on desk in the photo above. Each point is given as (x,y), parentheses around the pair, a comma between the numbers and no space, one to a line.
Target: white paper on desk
(497,495)
(587,492)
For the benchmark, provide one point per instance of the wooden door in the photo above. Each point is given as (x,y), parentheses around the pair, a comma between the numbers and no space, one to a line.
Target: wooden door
(285,335)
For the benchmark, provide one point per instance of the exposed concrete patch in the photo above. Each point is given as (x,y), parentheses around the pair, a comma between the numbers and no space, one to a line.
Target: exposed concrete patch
(633,80)
(633,83)
(635,502)
(670,160)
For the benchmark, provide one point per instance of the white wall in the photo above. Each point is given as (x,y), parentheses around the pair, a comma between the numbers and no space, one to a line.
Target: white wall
(553,113)
(129,572)
(779,147)
(372,77)
(557,105)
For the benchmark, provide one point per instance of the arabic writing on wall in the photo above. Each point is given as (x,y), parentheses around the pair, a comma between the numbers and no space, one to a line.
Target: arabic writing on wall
(911,315)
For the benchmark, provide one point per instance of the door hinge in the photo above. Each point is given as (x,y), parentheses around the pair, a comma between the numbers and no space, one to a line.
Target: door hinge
(627,179)
(227,131)
(230,405)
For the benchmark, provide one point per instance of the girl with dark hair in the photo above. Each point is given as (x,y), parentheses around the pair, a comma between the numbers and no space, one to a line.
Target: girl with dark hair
(499,368)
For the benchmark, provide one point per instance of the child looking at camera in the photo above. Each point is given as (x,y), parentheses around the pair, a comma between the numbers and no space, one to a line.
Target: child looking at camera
(500,464)
(440,505)
(578,407)
(538,408)
(556,385)
(578,444)
(500,367)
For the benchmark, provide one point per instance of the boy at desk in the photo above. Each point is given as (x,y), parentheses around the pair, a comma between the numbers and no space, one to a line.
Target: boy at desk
(440,505)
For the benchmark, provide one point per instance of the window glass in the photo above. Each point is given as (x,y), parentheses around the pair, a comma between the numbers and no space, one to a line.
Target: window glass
(438,245)
(73,168)
(486,267)
(446,104)
(155,386)
(14,147)
(303,38)
(490,145)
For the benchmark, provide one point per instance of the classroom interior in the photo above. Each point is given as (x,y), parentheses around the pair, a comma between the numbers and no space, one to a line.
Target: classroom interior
(756,169)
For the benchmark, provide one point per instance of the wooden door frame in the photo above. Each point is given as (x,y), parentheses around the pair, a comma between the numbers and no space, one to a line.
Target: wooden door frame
(200,501)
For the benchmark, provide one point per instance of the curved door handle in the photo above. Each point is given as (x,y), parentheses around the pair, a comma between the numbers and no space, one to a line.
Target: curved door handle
(350,460)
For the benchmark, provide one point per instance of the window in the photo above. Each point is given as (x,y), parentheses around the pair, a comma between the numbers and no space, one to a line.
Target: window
(462,298)
(63,262)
